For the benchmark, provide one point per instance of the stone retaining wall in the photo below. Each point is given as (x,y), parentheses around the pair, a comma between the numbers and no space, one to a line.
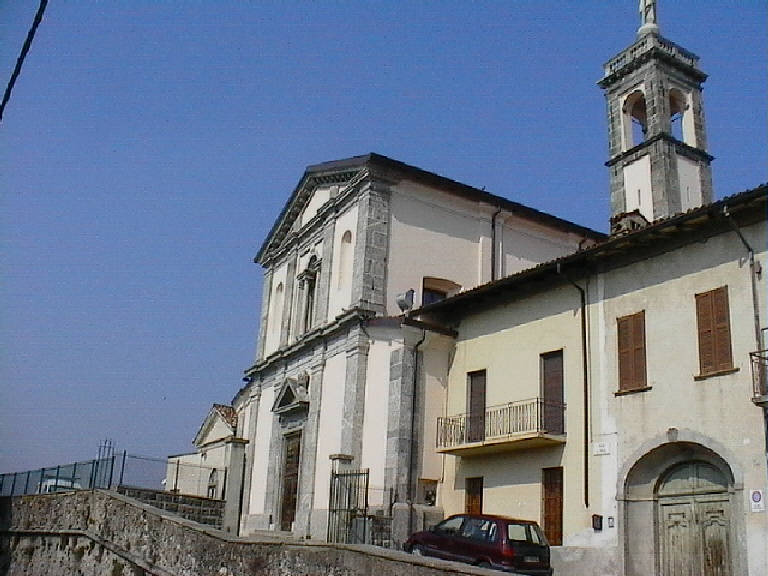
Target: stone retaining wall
(106,534)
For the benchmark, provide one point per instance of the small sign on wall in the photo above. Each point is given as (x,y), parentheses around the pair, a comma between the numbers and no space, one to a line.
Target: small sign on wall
(600,448)
(757,500)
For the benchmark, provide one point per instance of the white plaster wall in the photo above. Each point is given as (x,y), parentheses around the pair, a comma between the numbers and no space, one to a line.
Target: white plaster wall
(376,414)
(191,475)
(261,452)
(218,431)
(637,184)
(525,244)
(433,234)
(275,311)
(329,432)
(320,196)
(340,291)
(435,358)
(689,175)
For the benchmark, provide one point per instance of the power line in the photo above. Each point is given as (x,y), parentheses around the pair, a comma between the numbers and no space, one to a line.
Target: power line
(20,59)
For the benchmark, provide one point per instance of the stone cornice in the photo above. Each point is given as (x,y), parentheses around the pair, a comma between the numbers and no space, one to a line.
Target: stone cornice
(680,147)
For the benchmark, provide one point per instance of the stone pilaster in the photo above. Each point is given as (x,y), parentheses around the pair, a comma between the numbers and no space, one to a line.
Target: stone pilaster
(369,275)
(306,500)
(354,395)
(235,450)
(401,418)
(266,296)
(323,287)
(252,405)
(290,286)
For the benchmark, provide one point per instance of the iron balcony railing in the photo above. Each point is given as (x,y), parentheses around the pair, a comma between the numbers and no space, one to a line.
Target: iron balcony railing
(759,374)
(533,416)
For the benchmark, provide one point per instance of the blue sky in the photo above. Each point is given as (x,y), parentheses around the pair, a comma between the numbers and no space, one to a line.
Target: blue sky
(148,147)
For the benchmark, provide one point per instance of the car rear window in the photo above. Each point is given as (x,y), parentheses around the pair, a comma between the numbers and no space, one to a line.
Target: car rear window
(523,533)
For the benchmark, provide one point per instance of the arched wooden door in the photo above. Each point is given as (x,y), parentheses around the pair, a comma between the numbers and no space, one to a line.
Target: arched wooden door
(694,521)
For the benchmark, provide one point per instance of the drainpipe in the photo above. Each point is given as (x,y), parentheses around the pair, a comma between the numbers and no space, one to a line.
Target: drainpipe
(753,272)
(584,368)
(494,255)
(413,429)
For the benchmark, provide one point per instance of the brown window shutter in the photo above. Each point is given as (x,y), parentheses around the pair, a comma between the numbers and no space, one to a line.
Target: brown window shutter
(638,349)
(626,372)
(705,323)
(723,359)
(631,345)
(713,320)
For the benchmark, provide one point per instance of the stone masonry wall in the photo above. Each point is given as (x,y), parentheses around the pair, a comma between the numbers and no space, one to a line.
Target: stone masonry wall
(105,534)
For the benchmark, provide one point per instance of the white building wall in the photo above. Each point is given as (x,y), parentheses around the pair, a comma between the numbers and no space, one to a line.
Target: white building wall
(329,430)
(275,310)
(320,196)
(432,236)
(261,452)
(637,184)
(340,290)
(376,414)
(689,176)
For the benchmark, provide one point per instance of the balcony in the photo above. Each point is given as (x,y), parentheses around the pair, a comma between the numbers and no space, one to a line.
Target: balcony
(759,362)
(518,425)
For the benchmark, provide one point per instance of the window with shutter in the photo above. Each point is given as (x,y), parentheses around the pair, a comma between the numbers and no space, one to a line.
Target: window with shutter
(631,345)
(713,323)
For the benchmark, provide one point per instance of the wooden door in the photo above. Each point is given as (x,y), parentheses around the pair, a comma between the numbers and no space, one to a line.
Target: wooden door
(473,498)
(678,545)
(552,392)
(552,505)
(290,488)
(476,406)
(713,528)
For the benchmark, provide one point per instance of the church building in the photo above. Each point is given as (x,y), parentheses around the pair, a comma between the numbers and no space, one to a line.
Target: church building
(427,348)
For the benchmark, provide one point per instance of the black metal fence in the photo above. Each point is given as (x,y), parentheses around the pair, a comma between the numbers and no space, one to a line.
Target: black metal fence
(111,471)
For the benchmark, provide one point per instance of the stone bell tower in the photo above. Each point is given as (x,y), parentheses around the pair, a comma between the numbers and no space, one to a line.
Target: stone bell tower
(658,160)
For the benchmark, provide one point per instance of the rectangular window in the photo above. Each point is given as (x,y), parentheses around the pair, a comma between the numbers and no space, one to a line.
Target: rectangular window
(712,319)
(473,497)
(631,345)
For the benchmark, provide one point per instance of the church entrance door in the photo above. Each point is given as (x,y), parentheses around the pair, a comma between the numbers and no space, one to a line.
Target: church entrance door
(290,488)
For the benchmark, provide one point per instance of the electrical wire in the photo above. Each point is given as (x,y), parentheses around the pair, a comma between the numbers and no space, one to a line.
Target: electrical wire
(20,59)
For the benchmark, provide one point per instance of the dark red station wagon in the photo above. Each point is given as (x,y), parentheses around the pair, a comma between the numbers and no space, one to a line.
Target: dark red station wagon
(488,541)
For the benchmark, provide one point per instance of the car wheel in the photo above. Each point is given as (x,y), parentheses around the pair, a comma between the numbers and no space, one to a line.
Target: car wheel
(417,550)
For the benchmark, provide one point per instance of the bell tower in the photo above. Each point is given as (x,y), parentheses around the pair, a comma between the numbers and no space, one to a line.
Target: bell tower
(658,160)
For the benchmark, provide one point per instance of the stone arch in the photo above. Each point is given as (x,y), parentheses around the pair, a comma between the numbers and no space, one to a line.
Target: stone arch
(635,119)
(645,502)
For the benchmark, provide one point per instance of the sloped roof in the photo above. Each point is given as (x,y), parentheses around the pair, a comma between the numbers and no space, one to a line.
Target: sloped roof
(663,235)
(341,171)
(226,413)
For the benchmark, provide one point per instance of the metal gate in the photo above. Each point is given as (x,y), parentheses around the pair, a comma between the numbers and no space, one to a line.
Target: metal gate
(348,520)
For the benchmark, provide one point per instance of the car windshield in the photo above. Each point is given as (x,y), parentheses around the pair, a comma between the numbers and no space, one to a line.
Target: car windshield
(524,533)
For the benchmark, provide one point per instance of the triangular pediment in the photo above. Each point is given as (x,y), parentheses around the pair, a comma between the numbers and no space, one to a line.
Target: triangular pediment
(318,186)
(293,394)
(221,422)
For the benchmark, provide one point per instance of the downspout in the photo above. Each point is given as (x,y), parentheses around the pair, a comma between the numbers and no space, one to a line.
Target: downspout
(585,372)
(413,429)
(755,305)
(494,255)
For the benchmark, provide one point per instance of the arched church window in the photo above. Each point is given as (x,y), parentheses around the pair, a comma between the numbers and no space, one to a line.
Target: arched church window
(345,259)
